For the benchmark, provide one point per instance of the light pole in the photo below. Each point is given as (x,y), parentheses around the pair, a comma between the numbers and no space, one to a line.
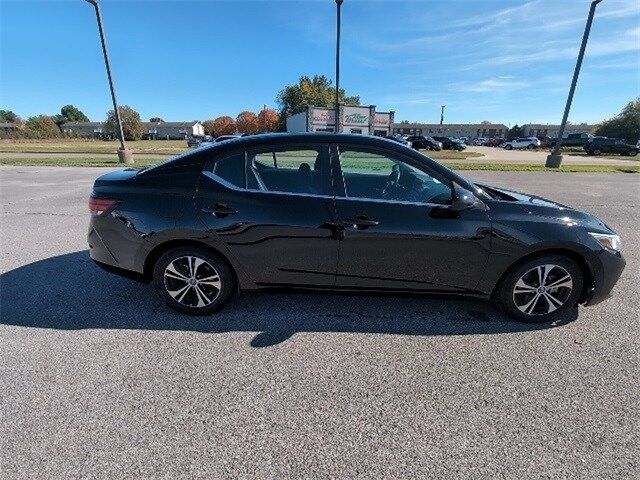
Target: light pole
(442,114)
(337,105)
(124,154)
(555,158)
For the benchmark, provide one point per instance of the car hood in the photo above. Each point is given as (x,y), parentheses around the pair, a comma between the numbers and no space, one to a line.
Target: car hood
(543,207)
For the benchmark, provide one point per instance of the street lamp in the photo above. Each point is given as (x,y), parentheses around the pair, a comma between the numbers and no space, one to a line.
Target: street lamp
(124,154)
(555,158)
(337,105)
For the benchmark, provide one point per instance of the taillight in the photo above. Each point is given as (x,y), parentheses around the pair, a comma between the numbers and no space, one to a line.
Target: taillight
(101,206)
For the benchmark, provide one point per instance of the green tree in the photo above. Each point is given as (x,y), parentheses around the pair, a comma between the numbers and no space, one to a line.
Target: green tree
(515,132)
(625,125)
(131,124)
(156,120)
(42,126)
(316,91)
(72,114)
(9,116)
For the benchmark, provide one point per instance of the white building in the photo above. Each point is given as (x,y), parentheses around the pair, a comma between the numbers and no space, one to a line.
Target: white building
(352,119)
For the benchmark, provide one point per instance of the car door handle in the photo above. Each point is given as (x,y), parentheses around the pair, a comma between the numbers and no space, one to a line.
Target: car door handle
(219,210)
(360,222)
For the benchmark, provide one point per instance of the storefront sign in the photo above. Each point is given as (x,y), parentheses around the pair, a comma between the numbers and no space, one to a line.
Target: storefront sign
(323,117)
(356,116)
(381,120)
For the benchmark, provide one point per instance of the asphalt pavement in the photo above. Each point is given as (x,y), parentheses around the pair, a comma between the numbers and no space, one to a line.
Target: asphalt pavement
(98,379)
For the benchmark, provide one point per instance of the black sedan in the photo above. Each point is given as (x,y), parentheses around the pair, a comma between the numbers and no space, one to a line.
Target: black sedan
(343,212)
(450,143)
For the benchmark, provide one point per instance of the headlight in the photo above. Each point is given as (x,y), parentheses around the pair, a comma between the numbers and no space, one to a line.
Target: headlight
(610,242)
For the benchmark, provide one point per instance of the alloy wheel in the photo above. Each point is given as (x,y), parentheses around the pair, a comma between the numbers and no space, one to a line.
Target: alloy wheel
(192,281)
(542,289)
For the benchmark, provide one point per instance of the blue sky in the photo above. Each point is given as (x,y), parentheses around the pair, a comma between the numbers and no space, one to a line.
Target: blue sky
(505,61)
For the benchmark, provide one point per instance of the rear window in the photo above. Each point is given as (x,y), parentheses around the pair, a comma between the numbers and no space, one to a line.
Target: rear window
(231,169)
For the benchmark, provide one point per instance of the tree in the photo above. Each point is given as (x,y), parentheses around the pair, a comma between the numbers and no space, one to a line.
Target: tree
(247,122)
(131,124)
(9,116)
(72,114)
(515,132)
(268,120)
(625,125)
(42,126)
(156,120)
(485,122)
(220,126)
(316,91)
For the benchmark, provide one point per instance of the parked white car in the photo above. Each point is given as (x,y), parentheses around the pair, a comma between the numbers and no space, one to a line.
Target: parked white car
(524,142)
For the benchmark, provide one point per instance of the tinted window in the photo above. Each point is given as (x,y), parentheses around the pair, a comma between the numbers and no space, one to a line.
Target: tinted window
(382,176)
(295,170)
(231,169)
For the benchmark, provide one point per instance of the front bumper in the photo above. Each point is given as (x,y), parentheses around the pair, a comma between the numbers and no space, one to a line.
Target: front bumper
(606,267)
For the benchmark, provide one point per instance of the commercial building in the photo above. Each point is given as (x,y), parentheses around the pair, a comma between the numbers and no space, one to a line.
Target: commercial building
(351,119)
(491,130)
(547,130)
(152,130)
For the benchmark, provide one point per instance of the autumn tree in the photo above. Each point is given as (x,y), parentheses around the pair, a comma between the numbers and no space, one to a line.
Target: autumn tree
(247,122)
(268,120)
(42,126)
(224,125)
(131,124)
(316,91)
(625,125)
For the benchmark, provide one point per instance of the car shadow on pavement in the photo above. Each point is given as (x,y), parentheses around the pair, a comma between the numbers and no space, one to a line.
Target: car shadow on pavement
(69,292)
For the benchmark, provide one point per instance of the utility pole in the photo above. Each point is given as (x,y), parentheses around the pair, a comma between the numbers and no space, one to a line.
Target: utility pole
(337,103)
(555,158)
(124,154)
(442,114)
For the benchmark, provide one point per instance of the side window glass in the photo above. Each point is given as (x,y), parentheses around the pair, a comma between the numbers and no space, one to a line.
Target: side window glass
(231,169)
(295,170)
(379,176)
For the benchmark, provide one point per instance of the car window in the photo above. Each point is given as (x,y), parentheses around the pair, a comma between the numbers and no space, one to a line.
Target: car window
(231,169)
(293,170)
(383,176)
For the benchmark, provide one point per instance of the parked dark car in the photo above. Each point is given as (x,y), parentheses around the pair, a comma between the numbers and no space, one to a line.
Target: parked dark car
(599,145)
(196,140)
(398,139)
(423,142)
(449,143)
(572,140)
(343,212)
(494,142)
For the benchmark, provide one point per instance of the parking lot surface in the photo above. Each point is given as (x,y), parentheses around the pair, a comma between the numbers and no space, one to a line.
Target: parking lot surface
(98,379)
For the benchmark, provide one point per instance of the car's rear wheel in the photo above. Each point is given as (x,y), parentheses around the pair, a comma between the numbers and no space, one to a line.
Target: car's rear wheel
(541,290)
(633,153)
(193,280)
(531,146)
(508,147)
(596,151)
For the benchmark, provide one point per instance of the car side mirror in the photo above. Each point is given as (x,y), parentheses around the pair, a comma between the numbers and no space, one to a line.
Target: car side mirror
(463,199)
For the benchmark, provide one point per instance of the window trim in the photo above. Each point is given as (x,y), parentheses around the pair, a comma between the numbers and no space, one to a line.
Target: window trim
(336,169)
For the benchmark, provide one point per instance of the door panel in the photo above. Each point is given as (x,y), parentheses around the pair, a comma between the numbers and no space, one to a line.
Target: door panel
(404,244)
(279,238)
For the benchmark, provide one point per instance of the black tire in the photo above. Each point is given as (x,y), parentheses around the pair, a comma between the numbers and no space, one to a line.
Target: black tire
(212,265)
(531,146)
(596,151)
(506,294)
(508,147)
(633,153)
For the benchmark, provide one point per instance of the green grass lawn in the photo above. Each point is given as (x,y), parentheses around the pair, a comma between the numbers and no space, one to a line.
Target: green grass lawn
(161,147)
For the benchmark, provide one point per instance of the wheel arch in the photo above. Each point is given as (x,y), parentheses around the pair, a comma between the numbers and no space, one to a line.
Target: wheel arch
(159,250)
(577,257)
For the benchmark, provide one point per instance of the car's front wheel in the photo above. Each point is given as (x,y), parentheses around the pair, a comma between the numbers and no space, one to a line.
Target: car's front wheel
(508,147)
(541,290)
(193,280)
(596,151)
(531,146)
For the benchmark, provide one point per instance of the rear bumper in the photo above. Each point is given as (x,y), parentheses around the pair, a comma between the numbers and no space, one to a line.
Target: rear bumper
(607,268)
